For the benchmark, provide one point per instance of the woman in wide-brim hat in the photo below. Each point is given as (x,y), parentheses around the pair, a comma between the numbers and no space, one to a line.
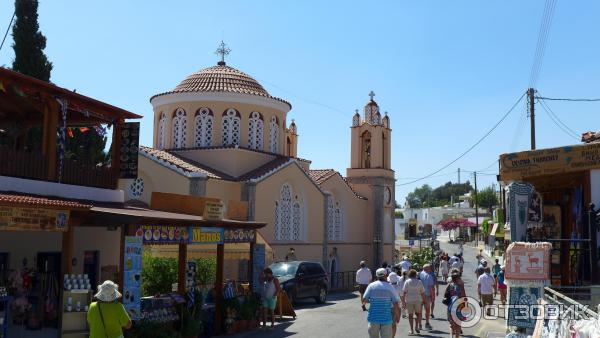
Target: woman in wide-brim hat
(107,317)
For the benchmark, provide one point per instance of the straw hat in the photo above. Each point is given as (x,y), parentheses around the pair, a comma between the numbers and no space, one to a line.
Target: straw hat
(108,292)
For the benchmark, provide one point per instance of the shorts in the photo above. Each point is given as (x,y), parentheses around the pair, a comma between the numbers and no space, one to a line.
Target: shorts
(502,286)
(269,303)
(414,307)
(487,299)
(362,288)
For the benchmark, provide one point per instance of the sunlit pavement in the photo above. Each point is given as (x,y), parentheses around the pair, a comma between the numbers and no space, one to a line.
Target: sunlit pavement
(342,316)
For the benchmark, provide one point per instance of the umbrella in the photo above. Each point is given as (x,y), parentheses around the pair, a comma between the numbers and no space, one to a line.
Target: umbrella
(453,223)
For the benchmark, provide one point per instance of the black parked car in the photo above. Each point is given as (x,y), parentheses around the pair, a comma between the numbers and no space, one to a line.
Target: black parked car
(301,279)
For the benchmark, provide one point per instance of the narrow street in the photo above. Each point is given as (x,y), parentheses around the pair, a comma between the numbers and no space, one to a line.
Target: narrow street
(342,316)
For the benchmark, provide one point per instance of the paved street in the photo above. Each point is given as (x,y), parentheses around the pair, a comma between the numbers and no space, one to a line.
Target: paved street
(341,316)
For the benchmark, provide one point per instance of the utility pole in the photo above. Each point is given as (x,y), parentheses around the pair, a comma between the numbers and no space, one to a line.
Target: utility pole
(476,212)
(531,101)
(459,188)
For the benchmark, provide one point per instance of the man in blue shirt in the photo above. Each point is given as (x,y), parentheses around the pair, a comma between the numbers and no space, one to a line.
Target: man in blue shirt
(429,285)
(381,296)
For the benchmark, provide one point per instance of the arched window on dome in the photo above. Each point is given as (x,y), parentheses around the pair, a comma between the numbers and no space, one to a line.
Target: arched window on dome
(179,128)
(255,131)
(274,135)
(162,128)
(230,127)
(288,216)
(203,125)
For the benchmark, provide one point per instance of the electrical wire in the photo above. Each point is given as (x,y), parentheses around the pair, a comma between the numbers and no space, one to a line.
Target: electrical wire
(543,34)
(471,147)
(546,106)
(572,100)
(8,29)
(558,124)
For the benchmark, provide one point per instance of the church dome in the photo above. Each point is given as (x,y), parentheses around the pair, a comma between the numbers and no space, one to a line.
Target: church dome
(224,79)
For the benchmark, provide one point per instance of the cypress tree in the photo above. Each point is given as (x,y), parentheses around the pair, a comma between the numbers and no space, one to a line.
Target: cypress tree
(29,43)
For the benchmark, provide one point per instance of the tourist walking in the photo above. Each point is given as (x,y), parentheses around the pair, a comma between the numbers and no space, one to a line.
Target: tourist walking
(454,291)
(405,264)
(403,279)
(363,279)
(429,294)
(485,288)
(496,270)
(480,268)
(414,297)
(381,297)
(270,291)
(502,286)
(107,317)
(444,268)
(398,284)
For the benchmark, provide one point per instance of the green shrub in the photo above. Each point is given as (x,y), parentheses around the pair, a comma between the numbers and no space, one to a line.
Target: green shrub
(206,270)
(158,274)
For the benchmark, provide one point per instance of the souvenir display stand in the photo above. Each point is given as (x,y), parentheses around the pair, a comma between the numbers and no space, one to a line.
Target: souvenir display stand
(75,304)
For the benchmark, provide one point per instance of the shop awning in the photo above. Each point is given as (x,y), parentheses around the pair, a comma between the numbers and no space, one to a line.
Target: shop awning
(131,215)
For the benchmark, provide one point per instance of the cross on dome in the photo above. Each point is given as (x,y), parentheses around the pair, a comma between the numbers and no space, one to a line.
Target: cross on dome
(222,50)
(372,94)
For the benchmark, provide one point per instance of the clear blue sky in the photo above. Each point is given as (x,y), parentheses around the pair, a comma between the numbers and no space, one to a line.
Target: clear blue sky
(446,71)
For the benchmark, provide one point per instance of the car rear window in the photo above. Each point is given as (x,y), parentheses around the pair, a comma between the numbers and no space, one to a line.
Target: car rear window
(315,269)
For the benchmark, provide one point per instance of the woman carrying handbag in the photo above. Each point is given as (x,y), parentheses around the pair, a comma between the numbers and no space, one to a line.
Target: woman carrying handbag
(107,317)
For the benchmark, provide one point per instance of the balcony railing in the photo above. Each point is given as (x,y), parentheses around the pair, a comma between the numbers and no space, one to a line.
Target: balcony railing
(35,166)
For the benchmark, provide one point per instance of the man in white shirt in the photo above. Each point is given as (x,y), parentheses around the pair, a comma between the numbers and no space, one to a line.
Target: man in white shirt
(405,264)
(363,278)
(485,288)
(453,259)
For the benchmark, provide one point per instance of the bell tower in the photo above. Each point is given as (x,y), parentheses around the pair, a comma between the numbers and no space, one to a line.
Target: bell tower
(370,174)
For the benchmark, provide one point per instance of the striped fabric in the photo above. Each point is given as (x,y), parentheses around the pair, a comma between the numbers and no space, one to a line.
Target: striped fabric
(380,295)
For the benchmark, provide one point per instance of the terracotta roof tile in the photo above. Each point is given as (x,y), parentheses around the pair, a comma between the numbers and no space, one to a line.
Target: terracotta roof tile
(185,166)
(265,169)
(322,175)
(40,201)
(221,78)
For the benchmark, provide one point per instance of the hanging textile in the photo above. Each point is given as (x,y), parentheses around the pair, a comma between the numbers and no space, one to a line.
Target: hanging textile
(62,129)
(519,201)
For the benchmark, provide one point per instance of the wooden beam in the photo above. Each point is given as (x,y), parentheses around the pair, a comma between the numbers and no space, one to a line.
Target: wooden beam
(219,289)
(181,270)
(67,250)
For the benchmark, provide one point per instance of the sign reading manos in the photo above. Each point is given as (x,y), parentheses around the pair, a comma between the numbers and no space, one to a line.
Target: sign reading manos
(12,218)
(162,234)
(206,236)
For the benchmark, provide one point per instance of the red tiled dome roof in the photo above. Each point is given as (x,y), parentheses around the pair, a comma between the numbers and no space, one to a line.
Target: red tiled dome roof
(221,78)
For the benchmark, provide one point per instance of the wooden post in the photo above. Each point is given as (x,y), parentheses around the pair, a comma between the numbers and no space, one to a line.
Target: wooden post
(219,289)
(67,250)
(182,266)
(251,267)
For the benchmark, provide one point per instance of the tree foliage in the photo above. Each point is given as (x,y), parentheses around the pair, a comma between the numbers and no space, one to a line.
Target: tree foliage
(487,198)
(425,196)
(29,43)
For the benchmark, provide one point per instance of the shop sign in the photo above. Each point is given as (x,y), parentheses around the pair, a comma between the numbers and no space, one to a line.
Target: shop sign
(128,154)
(163,234)
(213,210)
(240,236)
(523,310)
(206,236)
(132,276)
(35,219)
(516,166)
(528,261)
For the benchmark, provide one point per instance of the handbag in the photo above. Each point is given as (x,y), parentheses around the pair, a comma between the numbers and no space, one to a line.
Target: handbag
(102,319)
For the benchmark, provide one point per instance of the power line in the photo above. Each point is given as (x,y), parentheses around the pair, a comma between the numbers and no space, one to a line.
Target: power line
(8,29)
(572,100)
(557,123)
(471,147)
(546,106)
(543,34)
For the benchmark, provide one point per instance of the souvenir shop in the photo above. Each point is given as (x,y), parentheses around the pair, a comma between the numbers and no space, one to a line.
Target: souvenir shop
(548,193)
